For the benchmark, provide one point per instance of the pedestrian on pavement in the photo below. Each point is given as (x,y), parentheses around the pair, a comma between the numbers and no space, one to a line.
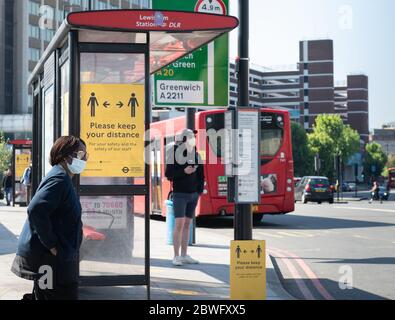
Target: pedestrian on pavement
(185,170)
(375,195)
(26,181)
(7,186)
(49,244)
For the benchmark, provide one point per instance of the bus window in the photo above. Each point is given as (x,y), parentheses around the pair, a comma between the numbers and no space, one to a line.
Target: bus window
(272,133)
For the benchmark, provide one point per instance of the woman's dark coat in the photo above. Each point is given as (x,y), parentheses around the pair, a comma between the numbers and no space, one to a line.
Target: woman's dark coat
(54,221)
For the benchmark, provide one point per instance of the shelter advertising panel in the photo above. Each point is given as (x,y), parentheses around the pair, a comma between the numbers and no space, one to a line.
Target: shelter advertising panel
(22,161)
(112,125)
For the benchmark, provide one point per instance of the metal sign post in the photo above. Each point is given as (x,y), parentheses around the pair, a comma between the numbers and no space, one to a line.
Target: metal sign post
(243,211)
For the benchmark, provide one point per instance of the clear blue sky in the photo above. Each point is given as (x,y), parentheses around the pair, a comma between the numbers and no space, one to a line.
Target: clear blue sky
(363,32)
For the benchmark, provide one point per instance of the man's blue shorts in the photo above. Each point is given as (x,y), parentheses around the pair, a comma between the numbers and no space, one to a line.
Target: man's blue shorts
(184,204)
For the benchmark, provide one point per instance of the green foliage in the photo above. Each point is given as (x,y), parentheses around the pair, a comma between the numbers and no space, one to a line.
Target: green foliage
(390,164)
(303,157)
(332,137)
(375,157)
(5,155)
(391,161)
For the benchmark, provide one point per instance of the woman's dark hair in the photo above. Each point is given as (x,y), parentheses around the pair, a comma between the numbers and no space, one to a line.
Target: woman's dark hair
(64,147)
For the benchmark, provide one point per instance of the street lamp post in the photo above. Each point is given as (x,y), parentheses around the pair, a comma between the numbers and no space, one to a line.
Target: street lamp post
(243,212)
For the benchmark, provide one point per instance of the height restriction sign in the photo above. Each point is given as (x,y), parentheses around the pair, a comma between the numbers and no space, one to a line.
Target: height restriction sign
(112,125)
(202,77)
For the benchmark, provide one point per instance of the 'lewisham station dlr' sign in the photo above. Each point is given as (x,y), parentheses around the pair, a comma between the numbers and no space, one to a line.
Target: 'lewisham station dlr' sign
(151,20)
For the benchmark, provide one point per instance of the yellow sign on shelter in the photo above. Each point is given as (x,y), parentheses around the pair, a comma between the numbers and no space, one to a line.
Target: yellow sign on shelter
(112,125)
(248,270)
(22,161)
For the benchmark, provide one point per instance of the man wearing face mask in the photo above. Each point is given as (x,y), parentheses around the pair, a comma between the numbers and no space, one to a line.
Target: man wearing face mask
(52,235)
(185,170)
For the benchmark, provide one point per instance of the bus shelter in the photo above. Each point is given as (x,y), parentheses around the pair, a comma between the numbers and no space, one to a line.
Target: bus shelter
(93,81)
(21,159)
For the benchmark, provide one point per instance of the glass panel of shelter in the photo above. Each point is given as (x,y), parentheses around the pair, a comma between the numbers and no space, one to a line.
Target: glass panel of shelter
(114,227)
(114,236)
(111,68)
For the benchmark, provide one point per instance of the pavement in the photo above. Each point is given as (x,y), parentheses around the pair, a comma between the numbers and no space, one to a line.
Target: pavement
(208,280)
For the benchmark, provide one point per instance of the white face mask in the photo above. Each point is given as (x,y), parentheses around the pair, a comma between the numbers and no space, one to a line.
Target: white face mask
(77,166)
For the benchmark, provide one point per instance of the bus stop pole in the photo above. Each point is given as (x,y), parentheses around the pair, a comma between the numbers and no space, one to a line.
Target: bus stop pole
(190,115)
(243,212)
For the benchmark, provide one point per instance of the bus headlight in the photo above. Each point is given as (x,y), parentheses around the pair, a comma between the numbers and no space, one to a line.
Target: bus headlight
(289,181)
(205,191)
(289,189)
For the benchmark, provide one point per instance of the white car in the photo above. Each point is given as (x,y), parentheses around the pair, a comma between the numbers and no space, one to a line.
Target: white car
(352,186)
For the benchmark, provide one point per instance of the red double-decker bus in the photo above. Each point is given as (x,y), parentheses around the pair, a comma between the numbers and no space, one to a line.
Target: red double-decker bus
(277,185)
(391,177)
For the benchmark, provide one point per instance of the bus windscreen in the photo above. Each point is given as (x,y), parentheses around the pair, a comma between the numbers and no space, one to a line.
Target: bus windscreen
(272,133)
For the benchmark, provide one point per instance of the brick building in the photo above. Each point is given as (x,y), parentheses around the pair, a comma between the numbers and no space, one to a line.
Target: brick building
(308,89)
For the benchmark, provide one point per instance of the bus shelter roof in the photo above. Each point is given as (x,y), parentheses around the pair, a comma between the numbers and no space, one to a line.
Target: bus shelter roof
(172,34)
(20,142)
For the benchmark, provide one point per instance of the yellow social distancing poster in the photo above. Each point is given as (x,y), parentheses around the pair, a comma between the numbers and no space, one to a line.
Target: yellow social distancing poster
(248,270)
(22,161)
(113,126)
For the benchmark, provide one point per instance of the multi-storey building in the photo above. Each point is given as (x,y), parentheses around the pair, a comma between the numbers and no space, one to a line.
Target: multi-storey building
(308,89)
(386,138)
(26,28)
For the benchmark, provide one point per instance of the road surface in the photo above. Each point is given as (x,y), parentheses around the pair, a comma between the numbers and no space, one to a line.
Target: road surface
(340,251)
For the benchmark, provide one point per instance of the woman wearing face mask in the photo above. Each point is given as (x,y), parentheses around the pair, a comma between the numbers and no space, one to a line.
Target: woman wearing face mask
(49,244)
(186,173)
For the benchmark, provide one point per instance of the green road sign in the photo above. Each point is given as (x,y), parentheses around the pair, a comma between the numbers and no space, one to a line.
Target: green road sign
(202,77)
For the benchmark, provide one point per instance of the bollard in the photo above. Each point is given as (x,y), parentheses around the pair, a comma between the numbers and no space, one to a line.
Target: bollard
(170,224)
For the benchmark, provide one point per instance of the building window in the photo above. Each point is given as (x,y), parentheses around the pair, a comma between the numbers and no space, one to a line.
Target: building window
(34,8)
(145,3)
(47,34)
(306,92)
(34,32)
(305,66)
(113,7)
(306,79)
(102,5)
(34,54)
(306,119)
(306,105)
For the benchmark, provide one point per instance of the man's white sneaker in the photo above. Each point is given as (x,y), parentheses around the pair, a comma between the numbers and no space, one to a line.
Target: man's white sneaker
(189,260)
(177,261)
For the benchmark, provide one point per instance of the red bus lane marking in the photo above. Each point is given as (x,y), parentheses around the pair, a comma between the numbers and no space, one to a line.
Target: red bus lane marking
(310,273)
(295,275)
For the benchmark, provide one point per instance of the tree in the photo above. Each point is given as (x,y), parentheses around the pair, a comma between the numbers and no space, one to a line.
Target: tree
(390,164)
(391,161)
(5,155)
(303,158)
(375,160)
(331,137)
